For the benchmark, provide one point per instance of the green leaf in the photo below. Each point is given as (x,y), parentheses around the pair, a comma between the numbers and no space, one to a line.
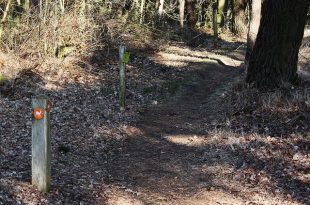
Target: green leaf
(126,57)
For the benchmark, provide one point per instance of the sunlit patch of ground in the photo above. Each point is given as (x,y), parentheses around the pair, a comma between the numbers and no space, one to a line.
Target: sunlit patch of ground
(188,140)
(123,197)
(221,197)
(182,56)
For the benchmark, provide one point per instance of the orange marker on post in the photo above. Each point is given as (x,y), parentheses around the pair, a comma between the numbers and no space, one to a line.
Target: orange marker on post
(38,113)
(41,144)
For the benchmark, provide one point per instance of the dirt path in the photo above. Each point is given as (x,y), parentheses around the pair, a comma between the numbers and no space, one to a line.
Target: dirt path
(173,156)
(178,152)
(168,160)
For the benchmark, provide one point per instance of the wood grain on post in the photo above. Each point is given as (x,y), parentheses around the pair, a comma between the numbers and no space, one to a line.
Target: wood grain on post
(41,146)
(122,77)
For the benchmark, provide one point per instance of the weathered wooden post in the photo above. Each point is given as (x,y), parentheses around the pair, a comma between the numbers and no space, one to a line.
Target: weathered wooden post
(41,145)
(122,77)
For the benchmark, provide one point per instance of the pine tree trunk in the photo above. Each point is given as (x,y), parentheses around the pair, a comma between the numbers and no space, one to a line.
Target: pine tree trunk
(273,62)
(254,25)
(255,17)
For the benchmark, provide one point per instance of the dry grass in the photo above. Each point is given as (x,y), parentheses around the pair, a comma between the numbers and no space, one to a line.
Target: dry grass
(41,35)
(34,41)
(283,98)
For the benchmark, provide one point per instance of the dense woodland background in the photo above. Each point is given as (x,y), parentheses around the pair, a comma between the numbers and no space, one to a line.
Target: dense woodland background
(217,100)
(55,29)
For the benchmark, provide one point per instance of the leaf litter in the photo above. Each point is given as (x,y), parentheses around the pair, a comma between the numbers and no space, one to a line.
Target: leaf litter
(191,133)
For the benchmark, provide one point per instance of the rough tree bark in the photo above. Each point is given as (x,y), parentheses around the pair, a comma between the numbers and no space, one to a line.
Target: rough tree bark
(253,28)
(273,62)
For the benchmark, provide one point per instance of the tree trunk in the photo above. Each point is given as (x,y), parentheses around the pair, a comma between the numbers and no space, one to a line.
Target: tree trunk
(225,15)
(142,11)
(220,9)
(214,22)
(160,8)
(254,25)
(239,20)
(204,14)
(273,62)
(190,8)
(181,12)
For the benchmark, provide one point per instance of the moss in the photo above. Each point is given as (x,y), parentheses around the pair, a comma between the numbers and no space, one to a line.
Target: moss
(3,79)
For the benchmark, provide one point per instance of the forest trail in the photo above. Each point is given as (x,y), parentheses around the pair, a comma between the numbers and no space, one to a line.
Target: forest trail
(171,159)
(177,153)
(174,143)
(193,131)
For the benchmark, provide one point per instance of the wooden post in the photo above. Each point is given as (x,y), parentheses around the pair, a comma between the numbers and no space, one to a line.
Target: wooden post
(122,77)
(214,17)
(41,146)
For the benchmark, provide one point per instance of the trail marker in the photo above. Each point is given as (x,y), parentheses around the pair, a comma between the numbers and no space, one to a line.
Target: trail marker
(41,144)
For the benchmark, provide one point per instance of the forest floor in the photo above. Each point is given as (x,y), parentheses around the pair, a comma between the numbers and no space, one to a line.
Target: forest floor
(191,133)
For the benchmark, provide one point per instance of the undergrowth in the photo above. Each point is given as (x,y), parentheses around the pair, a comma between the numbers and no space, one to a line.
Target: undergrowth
(277,112)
